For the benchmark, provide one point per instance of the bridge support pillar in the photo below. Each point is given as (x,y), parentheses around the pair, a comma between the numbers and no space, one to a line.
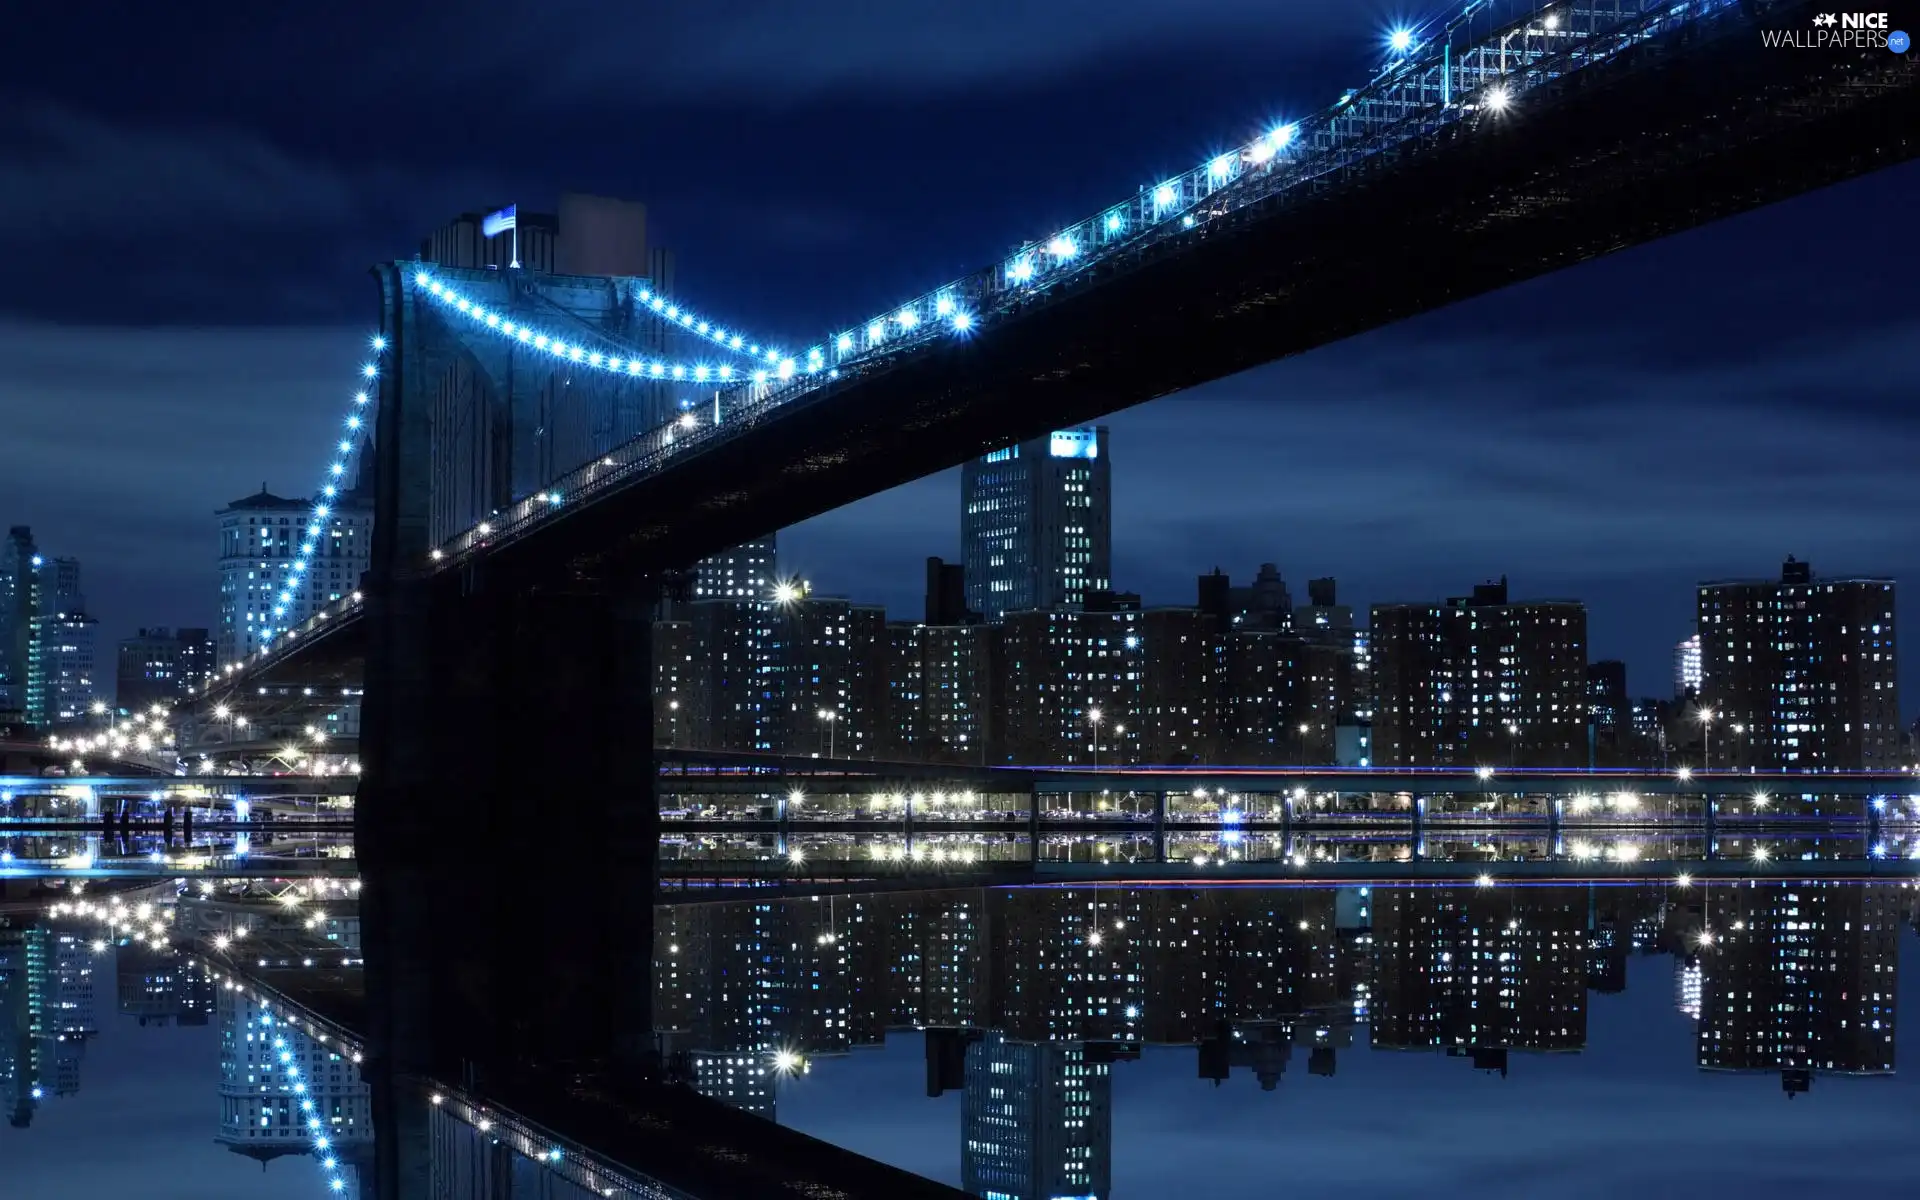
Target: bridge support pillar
(507,829)
(1160,827)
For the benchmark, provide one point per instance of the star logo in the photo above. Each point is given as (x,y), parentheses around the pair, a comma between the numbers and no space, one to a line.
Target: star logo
(1827,19)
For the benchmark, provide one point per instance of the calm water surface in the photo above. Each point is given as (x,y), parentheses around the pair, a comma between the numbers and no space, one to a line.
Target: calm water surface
(1515,1040)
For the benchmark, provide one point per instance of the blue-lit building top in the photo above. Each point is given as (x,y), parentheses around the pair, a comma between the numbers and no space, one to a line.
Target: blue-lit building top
(1036,526)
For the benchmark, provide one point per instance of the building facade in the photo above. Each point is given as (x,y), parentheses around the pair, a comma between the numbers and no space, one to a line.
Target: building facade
(745,572)
(161,665)
(1036,1122)
(940,689)
(1686,668)
(1072,683)
(1479,681)
(1036,524)
(261,537)
(1805,666)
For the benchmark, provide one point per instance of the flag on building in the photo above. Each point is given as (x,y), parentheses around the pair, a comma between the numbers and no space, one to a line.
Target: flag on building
(498,223)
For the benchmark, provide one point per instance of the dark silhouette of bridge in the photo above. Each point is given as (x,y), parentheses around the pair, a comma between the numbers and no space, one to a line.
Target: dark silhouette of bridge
(503,634)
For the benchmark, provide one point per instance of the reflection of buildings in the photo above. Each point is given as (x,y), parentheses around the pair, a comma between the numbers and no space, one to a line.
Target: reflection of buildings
(1800,978)
(1036,1121)
(261,1114)
(743,1080)
(26,1049)
(1026,996)
(46,1016)
(157,988)
(1686,984)
(1470,968)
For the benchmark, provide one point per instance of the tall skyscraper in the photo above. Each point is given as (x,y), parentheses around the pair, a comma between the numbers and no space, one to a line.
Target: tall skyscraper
(1480,681)
(60,646)
(18,557)
(1036,524)
(260,537)
(61,687)
(1036,1121)
(1805,666)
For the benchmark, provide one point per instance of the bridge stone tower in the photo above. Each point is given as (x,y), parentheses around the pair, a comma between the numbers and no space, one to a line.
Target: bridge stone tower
(506,823)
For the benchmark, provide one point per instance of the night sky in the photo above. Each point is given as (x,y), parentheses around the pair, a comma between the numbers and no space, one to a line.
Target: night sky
(190,199)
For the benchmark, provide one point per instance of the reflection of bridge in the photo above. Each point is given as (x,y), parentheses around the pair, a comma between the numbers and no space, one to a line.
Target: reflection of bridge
(643,1140)
(505,621)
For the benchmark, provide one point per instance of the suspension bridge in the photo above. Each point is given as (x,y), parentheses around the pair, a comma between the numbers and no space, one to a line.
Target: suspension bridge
(545,447)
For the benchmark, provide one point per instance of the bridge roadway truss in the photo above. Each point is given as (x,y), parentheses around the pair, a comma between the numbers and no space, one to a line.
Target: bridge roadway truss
(506,660)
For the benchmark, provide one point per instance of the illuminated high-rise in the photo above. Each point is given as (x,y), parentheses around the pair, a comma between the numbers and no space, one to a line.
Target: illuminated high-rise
(1036,1121)
(1480,681)
(745,572)
(1799,673)
(1036,523)
(262,536)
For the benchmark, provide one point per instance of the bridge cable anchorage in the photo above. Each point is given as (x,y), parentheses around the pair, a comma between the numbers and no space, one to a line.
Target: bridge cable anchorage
(1469,70)
(678,317)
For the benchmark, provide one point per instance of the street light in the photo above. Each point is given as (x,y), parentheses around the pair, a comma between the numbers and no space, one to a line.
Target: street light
(828,715)
(1093,718)
(1706,738)
(1303,743)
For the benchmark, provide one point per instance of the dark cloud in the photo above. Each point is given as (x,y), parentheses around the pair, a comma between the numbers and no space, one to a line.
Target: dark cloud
(72,174)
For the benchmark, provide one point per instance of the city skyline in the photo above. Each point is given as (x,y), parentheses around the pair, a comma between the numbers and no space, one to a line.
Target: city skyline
(1044,600)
